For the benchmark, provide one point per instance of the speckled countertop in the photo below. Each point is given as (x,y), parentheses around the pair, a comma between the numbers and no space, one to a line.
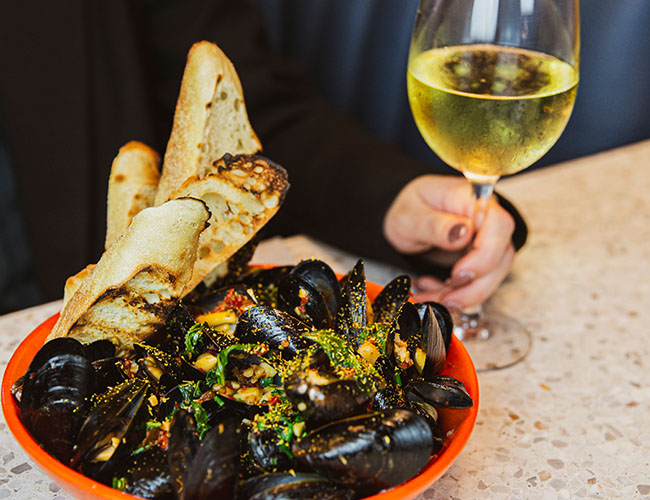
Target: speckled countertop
(573,419)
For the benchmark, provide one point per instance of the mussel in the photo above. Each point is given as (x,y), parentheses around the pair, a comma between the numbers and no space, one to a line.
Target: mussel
(276,328)
(113,428)
(296,486)
(55,395)
(368,452)
(215,467)
(441,391)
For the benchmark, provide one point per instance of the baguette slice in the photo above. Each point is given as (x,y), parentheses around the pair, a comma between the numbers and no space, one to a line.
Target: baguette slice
(242,193)
(131,187)
(129,293)
(210,119)
(73,283)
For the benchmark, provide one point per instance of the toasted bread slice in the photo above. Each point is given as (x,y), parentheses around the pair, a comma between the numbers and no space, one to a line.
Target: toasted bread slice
(242,192)
(131,290)
(73,283)
(210,119)
(131,187)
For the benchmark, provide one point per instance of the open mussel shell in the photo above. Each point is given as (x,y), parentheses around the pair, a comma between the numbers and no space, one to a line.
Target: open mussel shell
(242,295)
(146,474)
(264,282)
(352,315)
(320,276)
(112,429)
(425,342)
(182,446)
(441,391)
(443,316)
(55,394)
(163,369)
(296,486)
(368,452)
(387,305)
(273,327)
(300,299)
(215,469)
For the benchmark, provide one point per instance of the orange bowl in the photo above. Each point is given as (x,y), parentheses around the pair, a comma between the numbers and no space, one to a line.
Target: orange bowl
(457,425)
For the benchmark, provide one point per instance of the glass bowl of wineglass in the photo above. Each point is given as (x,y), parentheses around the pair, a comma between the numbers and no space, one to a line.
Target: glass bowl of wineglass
(491,84)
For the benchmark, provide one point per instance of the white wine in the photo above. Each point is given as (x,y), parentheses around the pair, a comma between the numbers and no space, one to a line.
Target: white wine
(490,110)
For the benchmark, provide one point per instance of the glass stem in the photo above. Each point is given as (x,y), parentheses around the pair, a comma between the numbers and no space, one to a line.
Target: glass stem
(469,323)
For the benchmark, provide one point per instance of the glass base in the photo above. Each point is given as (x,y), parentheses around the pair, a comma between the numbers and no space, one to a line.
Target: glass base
(493,340)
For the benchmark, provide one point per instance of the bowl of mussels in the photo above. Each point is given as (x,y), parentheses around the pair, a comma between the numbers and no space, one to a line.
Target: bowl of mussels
(288,382)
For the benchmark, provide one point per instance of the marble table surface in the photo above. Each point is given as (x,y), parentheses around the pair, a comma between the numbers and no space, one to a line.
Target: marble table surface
(573,419)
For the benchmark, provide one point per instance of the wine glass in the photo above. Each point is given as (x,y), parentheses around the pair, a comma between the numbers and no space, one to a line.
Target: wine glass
(491,84)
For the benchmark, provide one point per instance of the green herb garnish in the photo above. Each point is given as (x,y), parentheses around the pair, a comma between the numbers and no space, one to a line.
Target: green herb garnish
(201,417)
(194,339)
(119,483)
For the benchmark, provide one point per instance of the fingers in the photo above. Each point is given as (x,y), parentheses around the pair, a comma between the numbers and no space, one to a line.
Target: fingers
(420,219)
(477,291)
(473,292)
(491,243)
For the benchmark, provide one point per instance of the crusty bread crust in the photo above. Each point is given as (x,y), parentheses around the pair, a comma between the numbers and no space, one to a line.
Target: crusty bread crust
(139,278)
(131,187)
(242,192)
(210,119)
(73,283)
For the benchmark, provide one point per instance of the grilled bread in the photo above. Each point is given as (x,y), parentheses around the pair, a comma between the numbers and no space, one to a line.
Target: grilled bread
(129,293)
(131,187)
(242,192)
(210,119)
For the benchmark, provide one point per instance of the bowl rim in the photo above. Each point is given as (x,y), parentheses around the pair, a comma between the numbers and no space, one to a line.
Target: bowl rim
(81,486)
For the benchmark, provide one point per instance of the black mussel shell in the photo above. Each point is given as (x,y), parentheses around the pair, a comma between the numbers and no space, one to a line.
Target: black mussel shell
(436,352)
(391,396)
(112,429)
(215,468)
(444,318)
(146,475)
(321,276)
(300,299)
(266,452)
(420,329)
(321,399)
(55,394)
(171,338)
(430,414)
(53,348)
(369,452)
(110,372)
(155,364)
(264,282)
(217,297)
(285,486)
(182,446)
(276,328)
(442,391)
(100,349)
(352,315)
(388,304)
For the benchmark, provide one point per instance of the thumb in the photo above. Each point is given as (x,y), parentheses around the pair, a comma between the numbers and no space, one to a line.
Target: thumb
(413,225)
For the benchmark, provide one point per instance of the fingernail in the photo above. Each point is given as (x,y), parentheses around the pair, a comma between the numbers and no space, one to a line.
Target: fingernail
(461,278)
(453,307)
(457,232)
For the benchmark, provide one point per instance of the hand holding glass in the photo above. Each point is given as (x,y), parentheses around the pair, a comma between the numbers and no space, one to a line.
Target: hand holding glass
(491,85)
